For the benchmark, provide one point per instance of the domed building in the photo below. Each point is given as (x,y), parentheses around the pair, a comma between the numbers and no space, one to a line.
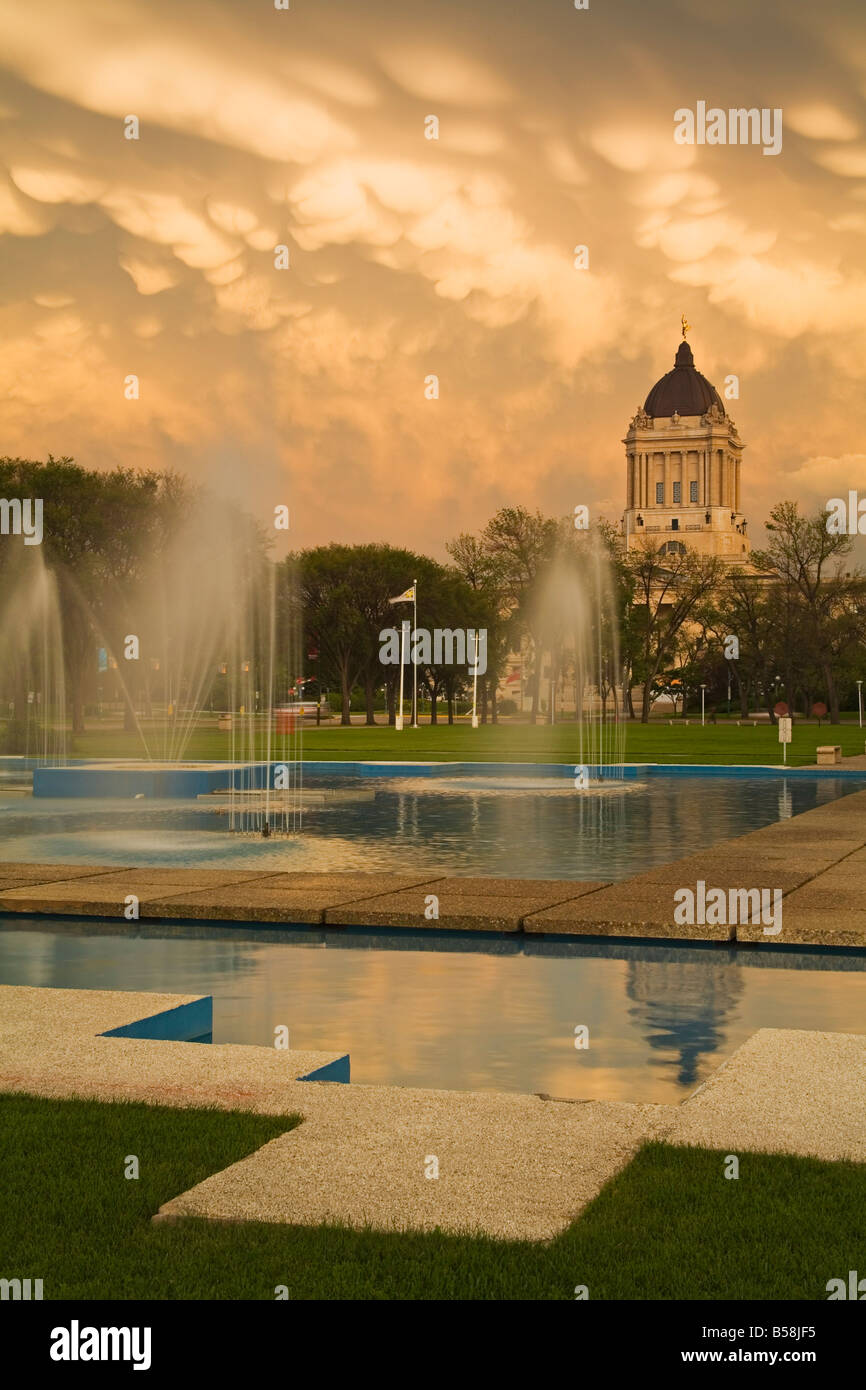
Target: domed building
(684,456)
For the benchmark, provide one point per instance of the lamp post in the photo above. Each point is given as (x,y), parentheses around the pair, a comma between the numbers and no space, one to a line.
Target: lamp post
(729,692)
(703,695)
(860,701)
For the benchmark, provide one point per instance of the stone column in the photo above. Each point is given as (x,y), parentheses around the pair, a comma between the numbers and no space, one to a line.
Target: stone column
(726,475)
(667,477)
(729,479)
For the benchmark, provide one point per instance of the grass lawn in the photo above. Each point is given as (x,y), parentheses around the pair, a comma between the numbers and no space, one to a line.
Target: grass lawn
(670,1226)
(654,743)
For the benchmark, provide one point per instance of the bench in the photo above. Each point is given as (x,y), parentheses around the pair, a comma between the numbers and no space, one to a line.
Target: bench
(829,753)
(674,722)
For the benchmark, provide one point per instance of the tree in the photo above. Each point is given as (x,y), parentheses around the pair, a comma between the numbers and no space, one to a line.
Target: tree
(828,602)
(519,546)
(100,533)
(321,582)
(667,590)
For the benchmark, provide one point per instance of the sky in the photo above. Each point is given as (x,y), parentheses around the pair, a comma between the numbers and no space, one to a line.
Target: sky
(411,257)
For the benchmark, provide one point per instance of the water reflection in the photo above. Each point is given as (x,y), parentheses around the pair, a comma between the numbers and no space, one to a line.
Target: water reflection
(682,1007)
(464,1011)
(521,827)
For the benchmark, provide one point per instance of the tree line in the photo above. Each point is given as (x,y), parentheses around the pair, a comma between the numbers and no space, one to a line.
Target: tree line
(656,620)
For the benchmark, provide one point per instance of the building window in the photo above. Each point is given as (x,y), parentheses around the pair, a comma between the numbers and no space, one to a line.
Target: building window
(693,491)
(660,494)
(678,492)
(675,524)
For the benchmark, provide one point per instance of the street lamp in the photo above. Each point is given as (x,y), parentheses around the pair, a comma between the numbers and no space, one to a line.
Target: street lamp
(860,701)
(703,690)
(729,691)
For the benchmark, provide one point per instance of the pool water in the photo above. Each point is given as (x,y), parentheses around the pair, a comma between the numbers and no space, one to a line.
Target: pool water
(443,1009)
(513,828)
(459,1012)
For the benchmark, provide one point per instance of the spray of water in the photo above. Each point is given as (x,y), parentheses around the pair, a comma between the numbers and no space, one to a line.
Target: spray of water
(32,682)
(578,623)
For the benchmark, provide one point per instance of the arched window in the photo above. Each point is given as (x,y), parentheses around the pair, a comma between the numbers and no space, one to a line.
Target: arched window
(672,548)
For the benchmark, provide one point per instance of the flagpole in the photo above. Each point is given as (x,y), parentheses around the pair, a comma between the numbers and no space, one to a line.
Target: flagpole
(475,686)
(399,719)
(414,654)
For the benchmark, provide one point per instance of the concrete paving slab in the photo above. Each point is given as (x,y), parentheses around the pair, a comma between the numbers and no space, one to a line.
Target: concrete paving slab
(364,885)
(823,839)
(812,926)
(509,1166)
(15,875)
(849,872)
(785,1091)
(551,889)
(495,909)
(189,878)
(246,903)
(626,909)
(82,898)
(287,898)
(824,896)
(740,870)
(53,1044)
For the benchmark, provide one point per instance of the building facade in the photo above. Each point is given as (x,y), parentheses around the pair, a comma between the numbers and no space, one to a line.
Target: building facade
(684,458)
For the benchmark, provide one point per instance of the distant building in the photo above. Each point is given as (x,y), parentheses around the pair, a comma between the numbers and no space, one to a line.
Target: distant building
(684,457)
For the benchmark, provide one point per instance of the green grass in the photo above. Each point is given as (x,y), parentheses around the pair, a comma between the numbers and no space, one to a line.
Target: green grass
(661,743)
(670,1226)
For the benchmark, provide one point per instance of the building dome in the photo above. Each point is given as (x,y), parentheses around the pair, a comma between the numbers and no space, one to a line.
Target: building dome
(683,391)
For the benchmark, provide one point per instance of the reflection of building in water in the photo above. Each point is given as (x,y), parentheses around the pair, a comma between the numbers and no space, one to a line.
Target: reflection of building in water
(681,1008)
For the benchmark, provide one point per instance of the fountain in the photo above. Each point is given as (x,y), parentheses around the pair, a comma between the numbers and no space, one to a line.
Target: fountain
(32,683)
(578,621)
(191,647)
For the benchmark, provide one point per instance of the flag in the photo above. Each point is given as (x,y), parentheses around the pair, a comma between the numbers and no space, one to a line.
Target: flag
(407,597)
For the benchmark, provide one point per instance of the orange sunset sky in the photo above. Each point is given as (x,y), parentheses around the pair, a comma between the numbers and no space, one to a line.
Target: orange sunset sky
(412,257)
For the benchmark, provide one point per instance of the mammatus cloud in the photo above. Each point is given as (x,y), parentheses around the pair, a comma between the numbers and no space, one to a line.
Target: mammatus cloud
(412,257)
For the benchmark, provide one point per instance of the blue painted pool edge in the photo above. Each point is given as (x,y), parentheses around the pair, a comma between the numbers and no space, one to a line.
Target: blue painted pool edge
(181,1024)
(338,1070)
(194,1020)
(192,781)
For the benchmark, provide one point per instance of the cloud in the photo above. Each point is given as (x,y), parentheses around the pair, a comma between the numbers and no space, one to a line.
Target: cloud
(820,121)
(849,161)
(411,256)
(441,74)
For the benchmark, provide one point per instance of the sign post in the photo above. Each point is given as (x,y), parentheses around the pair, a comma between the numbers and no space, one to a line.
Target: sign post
(784,735)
